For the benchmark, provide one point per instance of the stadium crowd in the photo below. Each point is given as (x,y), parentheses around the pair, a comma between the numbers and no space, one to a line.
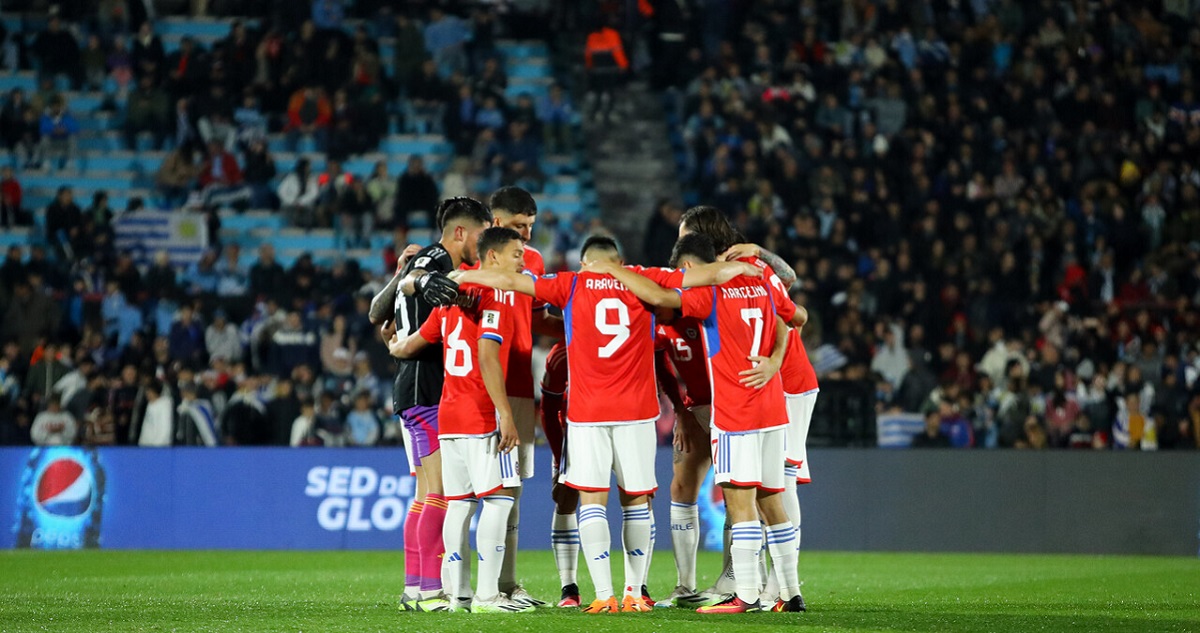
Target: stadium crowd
(992,205)
(102,349)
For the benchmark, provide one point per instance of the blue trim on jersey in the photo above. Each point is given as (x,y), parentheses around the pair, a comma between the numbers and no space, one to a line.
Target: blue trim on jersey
(492,336)
(712,336)
(568,310)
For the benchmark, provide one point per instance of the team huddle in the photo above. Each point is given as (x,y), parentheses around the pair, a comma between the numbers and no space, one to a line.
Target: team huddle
(460,315)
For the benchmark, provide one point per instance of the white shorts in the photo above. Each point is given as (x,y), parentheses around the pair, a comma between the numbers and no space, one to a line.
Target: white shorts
(473,466)
(596,451)
(749,460)
(799,410)
(406,436)
(526,418)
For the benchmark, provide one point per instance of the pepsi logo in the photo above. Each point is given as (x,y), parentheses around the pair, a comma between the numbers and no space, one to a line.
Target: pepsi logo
(64,488)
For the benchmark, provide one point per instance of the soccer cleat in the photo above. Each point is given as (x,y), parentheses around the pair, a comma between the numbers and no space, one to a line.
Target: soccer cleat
(603,606)
(437,603)
(646,596)
(635,604)
(407,602)
(684,598)
(732,605)
(500,604)
(460,605)
(794,605)
(519,594)
(570,596)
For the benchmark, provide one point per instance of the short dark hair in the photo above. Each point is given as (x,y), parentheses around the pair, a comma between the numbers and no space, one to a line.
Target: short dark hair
(513,200)
(697,246)
(710,221)
(494,238)
(602,242)
(462,208)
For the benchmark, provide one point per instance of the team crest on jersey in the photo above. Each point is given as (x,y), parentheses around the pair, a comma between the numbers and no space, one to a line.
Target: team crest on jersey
(692,333)
(421,262)
(491,318)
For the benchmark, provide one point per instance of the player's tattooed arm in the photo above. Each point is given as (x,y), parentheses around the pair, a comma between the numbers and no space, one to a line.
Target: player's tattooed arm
(765,367)
(643,288)
(718,273)
(493,379)
(517,282)
(782,270)
(383,304)
(800,319)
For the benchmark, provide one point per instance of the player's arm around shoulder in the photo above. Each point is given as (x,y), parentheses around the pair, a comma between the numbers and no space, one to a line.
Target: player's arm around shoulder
(717,273)
(500,280)
(642,287)
(412,345)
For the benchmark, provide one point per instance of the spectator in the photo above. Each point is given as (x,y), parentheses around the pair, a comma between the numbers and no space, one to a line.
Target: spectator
(556,114)
(425,106)
(186,69)
(356,216)
(120,64)
(309,113)
(185,132)
(890,360)
(521,159)
(63,219)
(362,424)
(221,180)
(259,172)
(282,411)
(149,57)
(604,58)
(146,111)
(245,421)
(54,426)
(267,278)
(932,436)
(187,337)
(158,422)
(382,190)
(409,49)
(11,212)
(298,193)
(661,233)
(445,38)
(197,418)
(293,345)
(58,129)
(222,339)
(19,127)
(176,176)
(58,53)
(93,63)
(416,192)
(304,431)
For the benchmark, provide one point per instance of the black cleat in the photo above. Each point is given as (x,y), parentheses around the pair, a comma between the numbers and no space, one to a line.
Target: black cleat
(795,605)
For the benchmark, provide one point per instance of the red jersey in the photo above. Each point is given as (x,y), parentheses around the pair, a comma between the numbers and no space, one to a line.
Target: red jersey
(518,381)
(738,321)
(797,372)
(686,346)
(466,408)
(554,381)
(610,345)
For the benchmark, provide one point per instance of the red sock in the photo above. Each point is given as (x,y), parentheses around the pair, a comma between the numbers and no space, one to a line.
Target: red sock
(432,546)
(412,545)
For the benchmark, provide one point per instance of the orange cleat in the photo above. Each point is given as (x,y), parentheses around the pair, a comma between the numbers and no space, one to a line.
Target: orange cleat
(635,604)
(603,606)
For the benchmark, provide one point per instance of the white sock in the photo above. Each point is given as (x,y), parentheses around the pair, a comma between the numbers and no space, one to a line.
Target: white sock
(791,501)
(564,540)
(489,536)
(635,537)
(685,540)
(508,571)
(781,543)
(456,563)
(747,541)
(595,540)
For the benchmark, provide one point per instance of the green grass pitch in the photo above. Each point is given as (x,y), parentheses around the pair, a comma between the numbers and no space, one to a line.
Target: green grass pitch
(357,592)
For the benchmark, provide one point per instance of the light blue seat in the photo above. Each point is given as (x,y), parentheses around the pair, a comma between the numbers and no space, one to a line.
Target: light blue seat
(194,27)
(27,81)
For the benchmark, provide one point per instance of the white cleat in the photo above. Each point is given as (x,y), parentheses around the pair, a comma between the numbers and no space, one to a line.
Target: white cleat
(684,598)
(520,595)
(500,604)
